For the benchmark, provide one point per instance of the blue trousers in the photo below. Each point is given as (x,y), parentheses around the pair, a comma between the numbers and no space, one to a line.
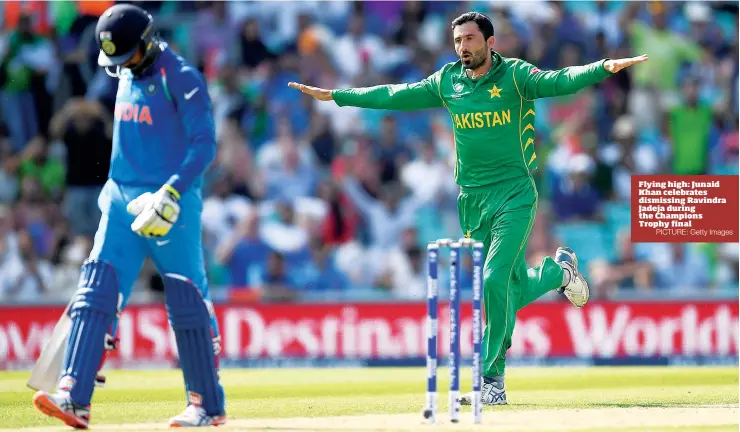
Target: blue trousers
(180,251)
(19,113)
(81,209)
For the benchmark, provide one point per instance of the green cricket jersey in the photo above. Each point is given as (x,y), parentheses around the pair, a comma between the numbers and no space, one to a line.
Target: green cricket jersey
(492,117)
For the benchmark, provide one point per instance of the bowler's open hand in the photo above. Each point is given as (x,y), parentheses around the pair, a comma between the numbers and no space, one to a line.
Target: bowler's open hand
(315,92)
(617,65)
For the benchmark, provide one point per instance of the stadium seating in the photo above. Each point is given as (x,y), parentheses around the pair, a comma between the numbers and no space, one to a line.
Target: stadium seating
(592,239)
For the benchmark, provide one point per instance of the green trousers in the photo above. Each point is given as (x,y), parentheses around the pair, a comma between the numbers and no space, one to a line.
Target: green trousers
(501,216)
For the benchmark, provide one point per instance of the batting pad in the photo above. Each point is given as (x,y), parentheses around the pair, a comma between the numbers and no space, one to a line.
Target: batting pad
(93,309)
(191,323)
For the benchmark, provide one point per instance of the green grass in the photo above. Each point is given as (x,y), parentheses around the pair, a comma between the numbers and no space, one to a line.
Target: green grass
(154,396)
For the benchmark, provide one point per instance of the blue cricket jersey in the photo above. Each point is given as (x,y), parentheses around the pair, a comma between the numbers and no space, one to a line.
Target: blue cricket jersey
(163,129)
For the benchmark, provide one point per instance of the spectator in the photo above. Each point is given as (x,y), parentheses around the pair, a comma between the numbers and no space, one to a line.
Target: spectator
(609,108)
(605,22)
(628,155)
(427,176)
(252,51)
(690,127)
(349,49)
(271,155)
(728,257)
(278,183)
(387,216)
(67,271)
(8,171)
(320,271)
(33,214)
(389,153)
(279,284)
(575,198)
(222,210)
(36,164)
(26,278)
(244,253)
(282,232)
(210,33)
(322,139)
(403,270)
(228,99)
(362,276)
(625,272)
(16,71)
(86,131)
(289,172)
(602,177)
(668,49)
(678,266)
(340,224)
(727,160)
(8,237)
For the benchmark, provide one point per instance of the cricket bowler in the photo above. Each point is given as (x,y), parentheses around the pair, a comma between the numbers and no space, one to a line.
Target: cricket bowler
(163,140)
(490,99)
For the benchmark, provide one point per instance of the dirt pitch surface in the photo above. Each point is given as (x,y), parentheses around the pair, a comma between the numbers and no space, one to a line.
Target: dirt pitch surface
(527,420)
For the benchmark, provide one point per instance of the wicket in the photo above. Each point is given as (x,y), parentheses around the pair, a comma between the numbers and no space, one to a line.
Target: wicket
(430,410)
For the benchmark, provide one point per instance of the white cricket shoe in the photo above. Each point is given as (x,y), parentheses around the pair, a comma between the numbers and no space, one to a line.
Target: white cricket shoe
(60,406)
(195,416)
(492,393)
(576,291)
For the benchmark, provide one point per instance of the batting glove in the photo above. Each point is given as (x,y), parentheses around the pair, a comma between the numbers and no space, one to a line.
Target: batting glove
(155,212)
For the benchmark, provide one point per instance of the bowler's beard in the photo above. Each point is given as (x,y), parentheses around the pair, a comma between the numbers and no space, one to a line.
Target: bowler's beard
(476,60)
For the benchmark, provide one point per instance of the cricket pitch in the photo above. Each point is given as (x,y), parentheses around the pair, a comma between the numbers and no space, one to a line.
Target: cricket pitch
(364,400)
(606,419)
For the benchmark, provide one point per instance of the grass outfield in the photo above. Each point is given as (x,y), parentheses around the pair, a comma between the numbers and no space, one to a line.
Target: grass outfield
(583,399)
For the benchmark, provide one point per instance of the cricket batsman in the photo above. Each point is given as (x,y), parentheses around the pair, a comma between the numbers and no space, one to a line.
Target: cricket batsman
(490,99)
(151,206)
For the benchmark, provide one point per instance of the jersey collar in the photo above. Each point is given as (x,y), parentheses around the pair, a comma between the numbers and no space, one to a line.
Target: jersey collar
(148,67)
(496,70)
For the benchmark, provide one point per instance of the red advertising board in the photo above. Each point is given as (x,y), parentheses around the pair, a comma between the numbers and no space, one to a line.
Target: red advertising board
(397,331)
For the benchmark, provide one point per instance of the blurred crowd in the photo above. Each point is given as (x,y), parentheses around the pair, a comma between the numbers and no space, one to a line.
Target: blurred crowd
(307,200)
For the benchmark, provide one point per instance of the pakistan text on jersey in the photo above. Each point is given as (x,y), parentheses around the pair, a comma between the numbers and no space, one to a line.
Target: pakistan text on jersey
(136,113)
(481,119)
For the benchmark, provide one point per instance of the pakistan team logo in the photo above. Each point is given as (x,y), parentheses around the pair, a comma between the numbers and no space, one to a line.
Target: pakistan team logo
(458,87)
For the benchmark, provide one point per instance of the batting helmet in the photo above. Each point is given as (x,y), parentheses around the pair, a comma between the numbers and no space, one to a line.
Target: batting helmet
(121,30)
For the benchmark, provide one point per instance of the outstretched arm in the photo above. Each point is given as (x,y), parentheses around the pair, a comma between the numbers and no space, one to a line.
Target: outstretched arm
(532,83)
(364,202)
(400,97)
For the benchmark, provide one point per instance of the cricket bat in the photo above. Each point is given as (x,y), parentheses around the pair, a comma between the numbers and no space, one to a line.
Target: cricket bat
(45,372)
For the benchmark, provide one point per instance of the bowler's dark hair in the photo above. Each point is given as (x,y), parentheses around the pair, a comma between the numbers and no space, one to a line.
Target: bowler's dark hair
(484,23)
